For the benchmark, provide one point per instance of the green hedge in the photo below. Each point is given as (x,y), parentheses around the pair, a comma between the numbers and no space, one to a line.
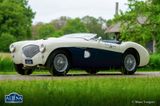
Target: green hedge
(154,63)
(6,64)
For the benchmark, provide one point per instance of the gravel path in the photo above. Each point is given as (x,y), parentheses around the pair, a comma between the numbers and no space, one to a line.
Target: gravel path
(70,76)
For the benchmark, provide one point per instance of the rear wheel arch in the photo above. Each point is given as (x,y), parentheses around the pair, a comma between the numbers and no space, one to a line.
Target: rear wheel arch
(130,61)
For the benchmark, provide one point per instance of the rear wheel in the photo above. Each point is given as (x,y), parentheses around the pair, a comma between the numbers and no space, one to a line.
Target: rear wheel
(59,63)
(129,64)
(20,70)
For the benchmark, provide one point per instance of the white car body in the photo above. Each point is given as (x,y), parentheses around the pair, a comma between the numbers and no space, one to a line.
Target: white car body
(79,40)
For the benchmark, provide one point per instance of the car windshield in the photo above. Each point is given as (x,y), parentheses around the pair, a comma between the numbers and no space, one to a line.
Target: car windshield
(86,36)
(90,36)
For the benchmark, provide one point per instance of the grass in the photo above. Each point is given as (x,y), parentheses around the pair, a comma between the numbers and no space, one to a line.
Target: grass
(5,55)
(86,91)
(47,72)
(6,63)
(7,73)
(14,73)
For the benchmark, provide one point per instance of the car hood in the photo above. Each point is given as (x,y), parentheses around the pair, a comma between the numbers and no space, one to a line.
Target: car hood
(27,42)
(45,42)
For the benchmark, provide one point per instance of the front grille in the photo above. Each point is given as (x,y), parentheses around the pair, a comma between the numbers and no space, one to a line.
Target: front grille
(30,50)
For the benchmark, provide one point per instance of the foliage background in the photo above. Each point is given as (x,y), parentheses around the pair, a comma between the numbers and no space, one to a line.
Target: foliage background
(15,22)
(141,22)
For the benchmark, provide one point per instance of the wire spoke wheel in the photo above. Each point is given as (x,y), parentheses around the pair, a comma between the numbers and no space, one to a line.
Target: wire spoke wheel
(60,62)
(129,62)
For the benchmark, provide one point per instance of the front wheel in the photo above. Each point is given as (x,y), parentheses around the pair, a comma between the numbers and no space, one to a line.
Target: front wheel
(20,70)
(59,63)
(129,64)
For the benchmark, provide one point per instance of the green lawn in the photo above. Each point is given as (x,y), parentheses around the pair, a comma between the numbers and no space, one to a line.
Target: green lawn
(43,72)
(85,91)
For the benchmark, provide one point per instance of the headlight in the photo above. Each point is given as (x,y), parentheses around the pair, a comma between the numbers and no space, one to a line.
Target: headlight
(12,48)
(42,48)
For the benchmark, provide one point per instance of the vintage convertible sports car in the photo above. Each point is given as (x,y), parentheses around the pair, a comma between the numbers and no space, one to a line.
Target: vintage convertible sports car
(77,51)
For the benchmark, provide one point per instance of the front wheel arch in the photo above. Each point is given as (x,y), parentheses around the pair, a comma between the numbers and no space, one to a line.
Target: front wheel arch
(47,64)
(20,70)
(51,65)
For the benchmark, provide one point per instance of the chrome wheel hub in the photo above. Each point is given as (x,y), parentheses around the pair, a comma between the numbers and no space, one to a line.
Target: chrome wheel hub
(130,62)
(60,62)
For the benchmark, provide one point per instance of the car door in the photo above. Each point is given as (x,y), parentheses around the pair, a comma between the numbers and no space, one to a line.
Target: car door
(104,55)
(97,55)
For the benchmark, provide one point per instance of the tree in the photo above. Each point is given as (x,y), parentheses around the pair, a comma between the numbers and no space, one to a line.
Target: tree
(74,26)
(66,25)
(46,30)
(60,23)
(141,22)
(16,18)
(5,40)
(94,25)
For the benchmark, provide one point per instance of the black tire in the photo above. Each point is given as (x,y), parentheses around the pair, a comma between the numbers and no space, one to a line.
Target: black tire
(59,67)
(20,70)
(129,63)
(91,71)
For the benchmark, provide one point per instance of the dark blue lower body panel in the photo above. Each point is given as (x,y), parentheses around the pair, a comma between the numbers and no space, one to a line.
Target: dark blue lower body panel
(99,59)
